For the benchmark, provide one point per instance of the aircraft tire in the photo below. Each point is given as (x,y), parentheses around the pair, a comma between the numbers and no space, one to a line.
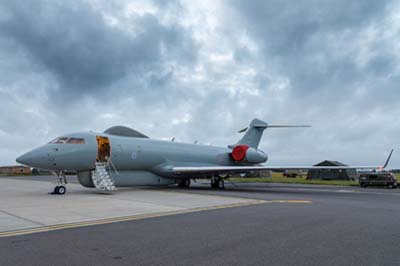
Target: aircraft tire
(185,183)
(60,190)
(213,183)
(220,184)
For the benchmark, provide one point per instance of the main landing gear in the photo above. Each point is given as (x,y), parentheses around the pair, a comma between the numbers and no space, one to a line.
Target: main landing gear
(217,182)
(184,183)
(61,181)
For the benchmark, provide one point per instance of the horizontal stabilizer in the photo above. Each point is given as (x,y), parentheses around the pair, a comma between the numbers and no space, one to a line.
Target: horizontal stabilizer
(286,126)
(273,126)
(255,130)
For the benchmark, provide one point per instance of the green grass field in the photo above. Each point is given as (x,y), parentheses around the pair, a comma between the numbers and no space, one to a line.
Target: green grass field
(279,178)
(16,174)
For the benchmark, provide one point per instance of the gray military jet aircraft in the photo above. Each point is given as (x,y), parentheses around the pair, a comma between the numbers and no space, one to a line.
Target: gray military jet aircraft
(124,157)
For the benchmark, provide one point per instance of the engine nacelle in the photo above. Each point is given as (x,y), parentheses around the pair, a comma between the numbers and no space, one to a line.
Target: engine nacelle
(248,154)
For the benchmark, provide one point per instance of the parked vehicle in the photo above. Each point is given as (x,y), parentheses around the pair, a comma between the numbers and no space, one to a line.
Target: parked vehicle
(378,179)
(293,173)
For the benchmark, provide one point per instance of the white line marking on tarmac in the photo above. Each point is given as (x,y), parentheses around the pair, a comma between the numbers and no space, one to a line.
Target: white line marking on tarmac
(345,191)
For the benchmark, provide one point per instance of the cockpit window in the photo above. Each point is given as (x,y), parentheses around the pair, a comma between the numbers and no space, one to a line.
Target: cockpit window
(76,141)
(63,140)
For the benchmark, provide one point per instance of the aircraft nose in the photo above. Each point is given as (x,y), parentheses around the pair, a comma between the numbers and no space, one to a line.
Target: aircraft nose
(35,158)
(26,158)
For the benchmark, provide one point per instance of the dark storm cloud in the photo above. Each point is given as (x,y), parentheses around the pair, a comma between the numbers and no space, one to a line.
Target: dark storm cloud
(203,71)
(73,42)
(307,41)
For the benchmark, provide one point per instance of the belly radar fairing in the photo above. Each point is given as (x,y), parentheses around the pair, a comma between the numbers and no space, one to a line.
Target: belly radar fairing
(121,156)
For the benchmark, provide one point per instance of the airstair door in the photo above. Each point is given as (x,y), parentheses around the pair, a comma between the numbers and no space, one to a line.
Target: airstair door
(103,149)
(101,176)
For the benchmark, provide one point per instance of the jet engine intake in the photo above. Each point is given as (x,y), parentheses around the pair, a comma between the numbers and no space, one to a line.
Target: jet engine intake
(239,152)
(246,153)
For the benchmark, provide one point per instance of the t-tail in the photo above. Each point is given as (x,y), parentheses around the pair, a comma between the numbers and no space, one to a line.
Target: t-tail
(254,132)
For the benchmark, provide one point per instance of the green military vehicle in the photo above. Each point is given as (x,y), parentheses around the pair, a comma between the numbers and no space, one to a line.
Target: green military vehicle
(383,178)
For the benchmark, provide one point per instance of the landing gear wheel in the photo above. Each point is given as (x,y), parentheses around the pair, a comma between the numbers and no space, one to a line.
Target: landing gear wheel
(61,181)
(213,185)
(185,183)
(217,183)
(220,184)
(60,190)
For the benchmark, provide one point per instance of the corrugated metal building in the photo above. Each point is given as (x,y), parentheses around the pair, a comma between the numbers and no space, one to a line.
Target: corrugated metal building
(332,174)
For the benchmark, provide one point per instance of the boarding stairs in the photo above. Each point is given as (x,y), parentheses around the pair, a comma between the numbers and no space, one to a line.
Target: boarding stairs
(102,178)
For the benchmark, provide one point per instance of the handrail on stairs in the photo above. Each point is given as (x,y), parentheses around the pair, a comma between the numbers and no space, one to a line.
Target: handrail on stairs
(109,162)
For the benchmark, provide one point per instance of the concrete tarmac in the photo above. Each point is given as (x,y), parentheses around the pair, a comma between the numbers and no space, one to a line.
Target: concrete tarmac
(296,225)
(27,207)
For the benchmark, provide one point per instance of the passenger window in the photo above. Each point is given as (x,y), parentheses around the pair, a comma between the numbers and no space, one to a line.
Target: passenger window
(76,141)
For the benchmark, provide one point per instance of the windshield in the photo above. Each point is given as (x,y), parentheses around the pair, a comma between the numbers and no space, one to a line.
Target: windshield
(63,140)
(76,141)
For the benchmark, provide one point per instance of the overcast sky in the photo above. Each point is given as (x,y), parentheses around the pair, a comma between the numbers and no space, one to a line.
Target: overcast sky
(202,70)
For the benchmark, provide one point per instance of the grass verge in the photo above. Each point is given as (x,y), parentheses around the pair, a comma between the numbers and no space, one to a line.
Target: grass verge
(296,180)
(278,178)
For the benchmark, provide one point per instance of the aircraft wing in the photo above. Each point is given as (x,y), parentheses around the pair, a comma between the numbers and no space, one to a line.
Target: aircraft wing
(247,169)
(204,170)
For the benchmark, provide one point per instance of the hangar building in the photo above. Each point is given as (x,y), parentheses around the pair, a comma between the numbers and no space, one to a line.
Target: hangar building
(332,174)
(14,170)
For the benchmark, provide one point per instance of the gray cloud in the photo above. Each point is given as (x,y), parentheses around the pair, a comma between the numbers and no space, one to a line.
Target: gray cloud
(195,71)
(73,42)
(317,44)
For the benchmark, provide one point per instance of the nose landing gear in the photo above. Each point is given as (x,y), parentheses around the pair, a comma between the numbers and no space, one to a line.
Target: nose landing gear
(61,181)
(59,190)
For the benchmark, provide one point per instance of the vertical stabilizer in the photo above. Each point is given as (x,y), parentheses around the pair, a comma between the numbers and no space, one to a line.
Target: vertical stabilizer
(253,133)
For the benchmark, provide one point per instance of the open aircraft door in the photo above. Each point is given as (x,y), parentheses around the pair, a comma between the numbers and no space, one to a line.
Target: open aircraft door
(103,149)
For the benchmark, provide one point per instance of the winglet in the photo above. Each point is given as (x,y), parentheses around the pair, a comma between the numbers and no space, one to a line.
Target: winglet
(388,160)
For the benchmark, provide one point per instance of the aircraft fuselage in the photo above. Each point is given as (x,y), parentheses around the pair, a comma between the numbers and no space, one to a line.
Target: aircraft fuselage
(139,161)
